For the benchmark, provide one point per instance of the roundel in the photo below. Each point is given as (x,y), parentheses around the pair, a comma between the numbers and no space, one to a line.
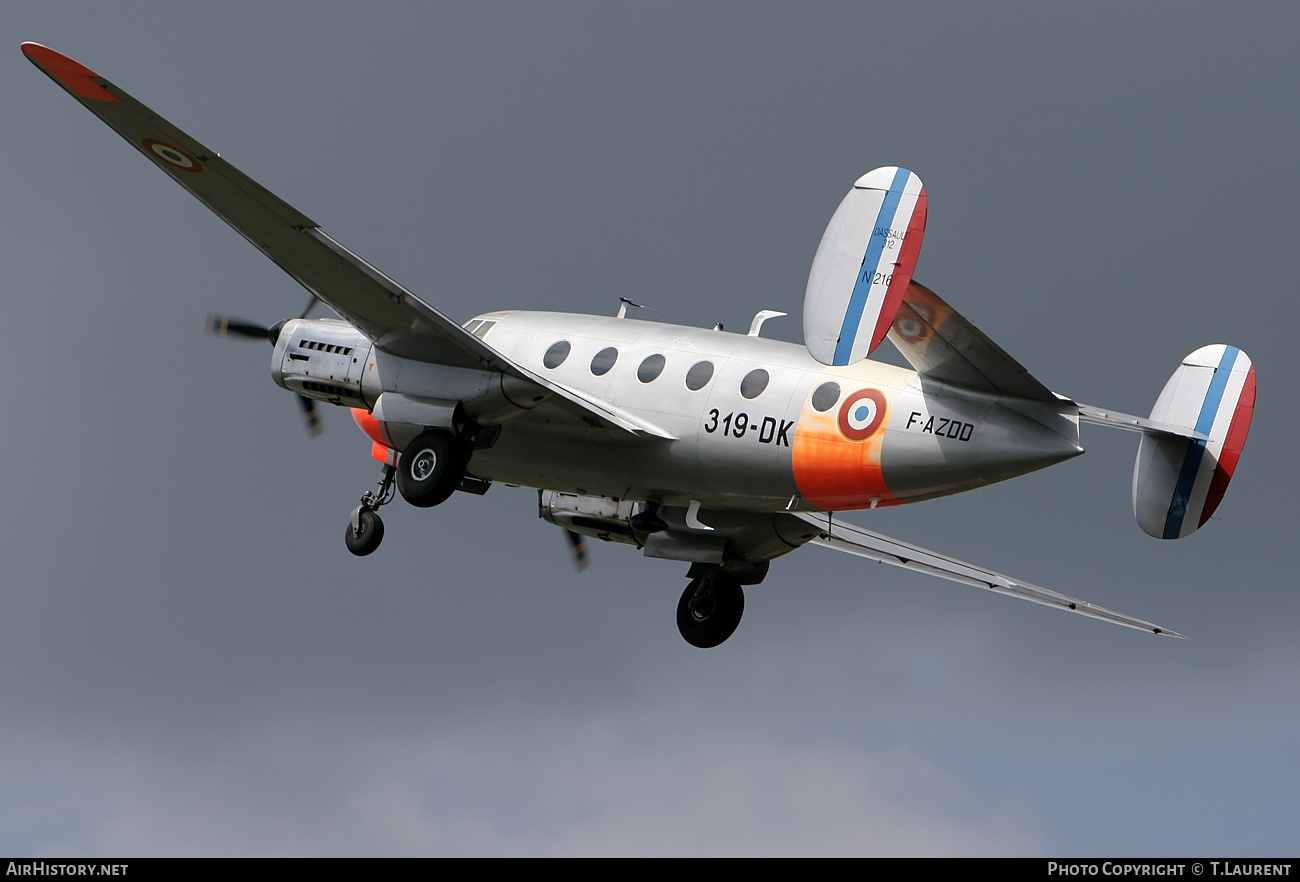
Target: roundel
(172,155)
(914,329)
(861,414)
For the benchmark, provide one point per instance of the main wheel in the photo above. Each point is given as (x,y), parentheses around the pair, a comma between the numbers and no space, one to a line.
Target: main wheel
(430,469)
(368,534)
(710,609)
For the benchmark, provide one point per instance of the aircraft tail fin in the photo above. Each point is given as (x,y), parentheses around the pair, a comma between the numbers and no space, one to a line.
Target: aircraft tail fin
(863,265)
(1179,478)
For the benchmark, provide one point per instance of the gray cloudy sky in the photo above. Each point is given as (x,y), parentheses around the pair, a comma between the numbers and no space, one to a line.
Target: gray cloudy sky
(191,663)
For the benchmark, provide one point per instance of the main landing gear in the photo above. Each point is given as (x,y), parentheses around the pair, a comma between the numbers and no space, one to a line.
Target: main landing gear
(430,469)
(710,608)
(427,473)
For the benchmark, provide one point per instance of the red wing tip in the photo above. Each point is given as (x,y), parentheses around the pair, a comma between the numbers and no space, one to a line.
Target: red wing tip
(72,75)
(46,55)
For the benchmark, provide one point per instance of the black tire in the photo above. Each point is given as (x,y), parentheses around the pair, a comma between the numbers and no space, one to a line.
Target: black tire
(710,609)
(430,469)
(367,536)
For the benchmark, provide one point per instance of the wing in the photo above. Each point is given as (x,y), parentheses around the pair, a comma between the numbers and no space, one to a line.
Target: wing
(864,543)
(391,316)
(942,345)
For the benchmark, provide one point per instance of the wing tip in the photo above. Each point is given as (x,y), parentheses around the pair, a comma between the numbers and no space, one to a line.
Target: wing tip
(71,75)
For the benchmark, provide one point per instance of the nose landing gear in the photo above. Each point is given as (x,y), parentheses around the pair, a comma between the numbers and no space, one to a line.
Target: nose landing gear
(366,530)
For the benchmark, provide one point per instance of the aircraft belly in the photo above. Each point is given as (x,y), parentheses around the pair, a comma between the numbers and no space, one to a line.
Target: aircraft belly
(536,452)
(531,453)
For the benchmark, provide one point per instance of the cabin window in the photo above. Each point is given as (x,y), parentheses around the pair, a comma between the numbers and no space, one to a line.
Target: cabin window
(825,396)
(556,355)
(754,383)
(603,361)
(699,375)
(650,368)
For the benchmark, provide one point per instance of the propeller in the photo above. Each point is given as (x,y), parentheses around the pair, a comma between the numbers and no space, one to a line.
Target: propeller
(311,415)
(579,548)
(226,326)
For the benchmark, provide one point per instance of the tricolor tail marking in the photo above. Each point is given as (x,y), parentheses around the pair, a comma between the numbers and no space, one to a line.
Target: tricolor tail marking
(897,206)
(1196,478)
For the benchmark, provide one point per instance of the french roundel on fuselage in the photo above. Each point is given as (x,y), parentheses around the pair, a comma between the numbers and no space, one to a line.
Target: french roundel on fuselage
(863,265)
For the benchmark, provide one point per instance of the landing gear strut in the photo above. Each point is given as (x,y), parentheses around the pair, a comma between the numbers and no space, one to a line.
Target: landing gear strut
(710,608)
(366,529)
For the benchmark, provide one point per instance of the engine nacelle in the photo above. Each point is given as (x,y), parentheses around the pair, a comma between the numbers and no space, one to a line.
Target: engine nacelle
(331,361)
(597,516)
(323,359)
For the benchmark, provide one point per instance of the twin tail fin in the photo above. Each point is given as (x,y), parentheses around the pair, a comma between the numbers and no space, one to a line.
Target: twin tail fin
(1179,479)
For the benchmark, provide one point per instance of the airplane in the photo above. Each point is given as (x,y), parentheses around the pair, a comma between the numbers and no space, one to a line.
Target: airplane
(716,449)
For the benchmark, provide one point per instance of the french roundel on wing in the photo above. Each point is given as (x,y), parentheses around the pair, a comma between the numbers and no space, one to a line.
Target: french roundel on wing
(861,414)
(172,155)
(912,323)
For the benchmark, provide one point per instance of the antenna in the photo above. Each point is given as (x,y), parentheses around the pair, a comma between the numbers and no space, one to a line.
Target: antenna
(624,303)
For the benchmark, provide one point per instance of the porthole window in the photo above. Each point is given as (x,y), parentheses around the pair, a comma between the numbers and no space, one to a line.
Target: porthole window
(556,355)
(651,368)
(603,361)
(825,396)
(754,383)
(699,375)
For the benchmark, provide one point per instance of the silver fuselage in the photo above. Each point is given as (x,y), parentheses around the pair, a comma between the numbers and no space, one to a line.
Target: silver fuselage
(773,450)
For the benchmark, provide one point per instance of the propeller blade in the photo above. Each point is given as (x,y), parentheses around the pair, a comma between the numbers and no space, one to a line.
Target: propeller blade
(224,326)
(579,549)
(311,415)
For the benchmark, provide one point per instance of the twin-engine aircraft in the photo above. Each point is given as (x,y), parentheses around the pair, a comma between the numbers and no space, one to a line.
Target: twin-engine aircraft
(718,449)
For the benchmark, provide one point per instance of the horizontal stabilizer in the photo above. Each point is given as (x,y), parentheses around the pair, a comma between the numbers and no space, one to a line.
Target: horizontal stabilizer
(1178,482)
(862,266)
(1116,420)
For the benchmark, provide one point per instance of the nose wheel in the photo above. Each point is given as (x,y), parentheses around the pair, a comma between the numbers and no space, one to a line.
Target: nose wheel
(366,529)
(710,609)
(364,536)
